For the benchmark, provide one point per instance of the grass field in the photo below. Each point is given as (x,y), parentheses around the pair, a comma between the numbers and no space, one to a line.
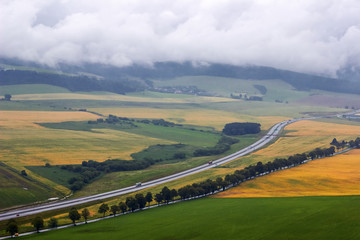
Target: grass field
(256,218)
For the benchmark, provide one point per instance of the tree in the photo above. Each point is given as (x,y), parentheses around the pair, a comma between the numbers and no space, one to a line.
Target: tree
(166,194)
(12,227)
(103,209)
(23,173)
(74,215)
(149,198)
(141,200)
(173,194)
(53,223)
(85,214)
(184,192)
(132,203)
(158,198)
(38,223)
(334,142)
(114,209)
(122,207)
(7,97)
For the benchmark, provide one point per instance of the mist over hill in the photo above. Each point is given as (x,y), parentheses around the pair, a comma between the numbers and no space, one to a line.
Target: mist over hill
(98,77)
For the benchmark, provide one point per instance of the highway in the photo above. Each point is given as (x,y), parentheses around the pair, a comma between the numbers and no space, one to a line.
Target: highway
(271,134)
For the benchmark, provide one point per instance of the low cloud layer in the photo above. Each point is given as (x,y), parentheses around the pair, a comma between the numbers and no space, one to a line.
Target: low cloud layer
(309,36)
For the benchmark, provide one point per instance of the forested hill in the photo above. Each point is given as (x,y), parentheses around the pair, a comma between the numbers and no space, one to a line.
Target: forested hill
(300,81)
(73,83)
(167,70)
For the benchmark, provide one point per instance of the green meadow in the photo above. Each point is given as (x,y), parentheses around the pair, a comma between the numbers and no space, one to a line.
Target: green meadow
(319,218)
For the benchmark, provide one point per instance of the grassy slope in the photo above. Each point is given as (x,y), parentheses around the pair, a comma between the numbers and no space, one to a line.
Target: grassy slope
(31,89)
(17,190)
(262,218)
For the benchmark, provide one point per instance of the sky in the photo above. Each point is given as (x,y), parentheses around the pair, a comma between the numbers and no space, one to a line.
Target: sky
(311,36)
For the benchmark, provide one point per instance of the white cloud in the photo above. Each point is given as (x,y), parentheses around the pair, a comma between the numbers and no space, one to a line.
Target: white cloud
(310,36)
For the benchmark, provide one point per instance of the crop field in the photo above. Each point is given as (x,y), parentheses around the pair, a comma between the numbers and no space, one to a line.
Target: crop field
(338,175)
(257,218)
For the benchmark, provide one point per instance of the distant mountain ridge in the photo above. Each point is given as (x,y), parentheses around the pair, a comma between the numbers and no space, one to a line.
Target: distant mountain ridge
(138,77)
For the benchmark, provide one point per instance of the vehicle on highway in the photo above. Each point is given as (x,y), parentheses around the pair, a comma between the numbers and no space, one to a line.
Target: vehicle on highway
(138,184)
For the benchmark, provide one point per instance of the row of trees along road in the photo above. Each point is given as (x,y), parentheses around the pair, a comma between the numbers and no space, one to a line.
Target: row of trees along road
(139,201)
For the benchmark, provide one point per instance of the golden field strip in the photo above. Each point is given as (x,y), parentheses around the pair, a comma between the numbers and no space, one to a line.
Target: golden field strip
(337,175)
(118,97)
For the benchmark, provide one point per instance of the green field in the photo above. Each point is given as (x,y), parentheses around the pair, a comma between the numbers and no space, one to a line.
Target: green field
(254,218)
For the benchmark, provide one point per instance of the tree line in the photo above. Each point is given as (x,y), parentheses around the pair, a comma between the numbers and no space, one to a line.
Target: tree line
(115,119)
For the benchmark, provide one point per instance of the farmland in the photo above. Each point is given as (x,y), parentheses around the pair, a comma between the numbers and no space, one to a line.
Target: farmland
(43,125)
(23,140)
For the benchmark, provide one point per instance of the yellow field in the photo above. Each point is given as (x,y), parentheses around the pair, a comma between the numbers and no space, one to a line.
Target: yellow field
(118,97)
(205,117)
(338,175)
(307,135)
(24,119)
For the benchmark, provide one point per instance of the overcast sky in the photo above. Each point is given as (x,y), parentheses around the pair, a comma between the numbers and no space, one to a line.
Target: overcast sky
(313,36)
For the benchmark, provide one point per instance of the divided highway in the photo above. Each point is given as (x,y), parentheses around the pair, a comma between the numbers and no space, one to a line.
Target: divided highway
(272,133)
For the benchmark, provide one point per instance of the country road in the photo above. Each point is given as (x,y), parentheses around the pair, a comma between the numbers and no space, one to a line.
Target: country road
(271,134)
